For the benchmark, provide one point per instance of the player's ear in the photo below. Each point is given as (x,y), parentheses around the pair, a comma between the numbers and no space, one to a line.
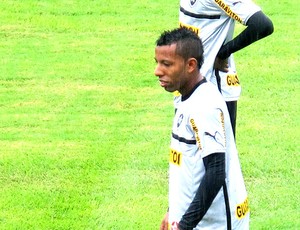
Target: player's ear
(192,64)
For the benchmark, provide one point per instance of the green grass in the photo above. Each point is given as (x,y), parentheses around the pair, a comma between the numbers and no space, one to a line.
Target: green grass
(85,127)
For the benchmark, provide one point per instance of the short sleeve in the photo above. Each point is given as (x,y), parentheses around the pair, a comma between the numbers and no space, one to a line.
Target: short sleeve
(240,10)
(209,131)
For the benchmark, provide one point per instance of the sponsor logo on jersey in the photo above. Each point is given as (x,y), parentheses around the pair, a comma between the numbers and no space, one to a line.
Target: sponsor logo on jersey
(194,127)
(216,136)
(223,126)
(192,28)
(242,209)
(175,157)
(228,11)
(233,80)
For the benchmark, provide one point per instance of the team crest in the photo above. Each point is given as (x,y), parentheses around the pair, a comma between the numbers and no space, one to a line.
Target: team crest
(180,118)
(192,2)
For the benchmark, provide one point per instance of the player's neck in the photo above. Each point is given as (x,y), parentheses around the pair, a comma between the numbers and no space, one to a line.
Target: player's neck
(192,85)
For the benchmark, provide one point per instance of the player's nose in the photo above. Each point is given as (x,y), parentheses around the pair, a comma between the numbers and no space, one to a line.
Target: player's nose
(157,71)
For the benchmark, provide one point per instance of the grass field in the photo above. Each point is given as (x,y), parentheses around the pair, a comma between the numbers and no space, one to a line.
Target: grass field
(84,131)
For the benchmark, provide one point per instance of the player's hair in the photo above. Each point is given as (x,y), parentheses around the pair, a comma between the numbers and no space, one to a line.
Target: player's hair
(188,43)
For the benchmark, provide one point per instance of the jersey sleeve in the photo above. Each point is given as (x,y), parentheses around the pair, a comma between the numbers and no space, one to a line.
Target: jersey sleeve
(240,10)
(209,132)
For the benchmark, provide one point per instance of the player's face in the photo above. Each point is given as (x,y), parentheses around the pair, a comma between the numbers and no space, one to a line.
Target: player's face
(170,68)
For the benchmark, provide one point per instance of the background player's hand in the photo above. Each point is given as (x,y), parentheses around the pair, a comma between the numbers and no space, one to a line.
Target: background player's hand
(165,222)
(174,226)
(221,64)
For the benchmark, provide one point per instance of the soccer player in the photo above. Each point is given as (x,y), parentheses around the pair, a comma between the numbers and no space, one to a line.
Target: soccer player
(206,186)
(214,22)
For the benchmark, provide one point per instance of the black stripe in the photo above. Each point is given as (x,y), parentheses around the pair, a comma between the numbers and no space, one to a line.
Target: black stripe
(199,15)
(228,215)
(181,139)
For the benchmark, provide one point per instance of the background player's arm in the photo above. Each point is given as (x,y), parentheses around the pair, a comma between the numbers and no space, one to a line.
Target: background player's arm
(164,223)
(258,27)
(209,187)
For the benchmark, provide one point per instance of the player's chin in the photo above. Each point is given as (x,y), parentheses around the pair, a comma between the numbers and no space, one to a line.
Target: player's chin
(170,90)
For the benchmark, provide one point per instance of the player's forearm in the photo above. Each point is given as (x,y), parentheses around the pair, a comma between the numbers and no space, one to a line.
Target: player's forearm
(258,27)
(210,185)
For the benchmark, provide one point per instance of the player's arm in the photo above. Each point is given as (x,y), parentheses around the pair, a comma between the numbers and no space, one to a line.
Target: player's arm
(210,185)
(258,27)
(165,222)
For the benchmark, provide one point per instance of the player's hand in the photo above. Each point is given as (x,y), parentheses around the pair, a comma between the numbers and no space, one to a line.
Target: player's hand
(165,222)
(175,226)
(221,64)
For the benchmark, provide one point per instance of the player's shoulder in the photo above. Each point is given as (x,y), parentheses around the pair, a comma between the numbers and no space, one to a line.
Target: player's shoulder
(210,95)
(197,5)
(209,88)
